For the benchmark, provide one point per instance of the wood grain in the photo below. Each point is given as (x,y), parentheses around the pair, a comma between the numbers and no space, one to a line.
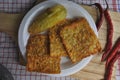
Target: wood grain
(95,70)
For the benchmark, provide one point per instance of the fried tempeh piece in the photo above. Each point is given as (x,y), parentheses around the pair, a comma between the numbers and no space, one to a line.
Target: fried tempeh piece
(56,46)
(38,57)
(79,40)
(44,64)
(37,45)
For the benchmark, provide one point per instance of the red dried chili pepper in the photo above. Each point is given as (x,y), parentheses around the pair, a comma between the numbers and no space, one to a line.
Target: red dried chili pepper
(109,68)
(101,17)
(113,51)
(109,34)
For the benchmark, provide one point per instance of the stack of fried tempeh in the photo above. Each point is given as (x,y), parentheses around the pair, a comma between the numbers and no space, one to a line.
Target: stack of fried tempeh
(65,37)
(72,38)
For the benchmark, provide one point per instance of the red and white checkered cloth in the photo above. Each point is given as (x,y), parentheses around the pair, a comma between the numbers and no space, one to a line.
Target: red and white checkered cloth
(8,49)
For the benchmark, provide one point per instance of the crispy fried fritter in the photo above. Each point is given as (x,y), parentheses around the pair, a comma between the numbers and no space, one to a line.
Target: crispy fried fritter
(44,64)
(56,46)
(79,40)
(38,57)
(37,45)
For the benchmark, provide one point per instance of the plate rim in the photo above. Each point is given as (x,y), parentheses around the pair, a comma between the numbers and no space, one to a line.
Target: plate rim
(68,71)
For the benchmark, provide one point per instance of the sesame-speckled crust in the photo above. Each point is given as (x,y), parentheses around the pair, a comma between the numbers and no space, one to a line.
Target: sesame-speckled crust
(56,46)
(44,64)
(79,40)
(37,45)
(38,57)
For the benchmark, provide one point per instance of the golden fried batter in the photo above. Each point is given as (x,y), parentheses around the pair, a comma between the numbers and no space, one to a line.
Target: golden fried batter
(79,40)
(44,64)
(56,46)
(38,57)
(37,45)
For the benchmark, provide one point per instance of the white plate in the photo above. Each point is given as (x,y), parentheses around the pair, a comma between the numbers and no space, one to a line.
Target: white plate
(73,10)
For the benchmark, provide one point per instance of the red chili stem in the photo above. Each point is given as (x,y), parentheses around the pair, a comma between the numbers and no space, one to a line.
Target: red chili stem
(108,45)
(101,17)
(109,68)
(107,7)
(113,51)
